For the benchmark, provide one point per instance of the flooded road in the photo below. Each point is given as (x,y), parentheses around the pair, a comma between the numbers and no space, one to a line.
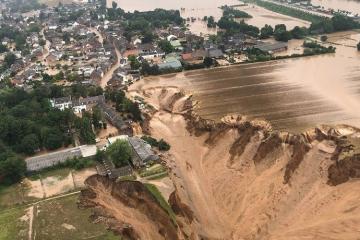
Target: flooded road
(293,94)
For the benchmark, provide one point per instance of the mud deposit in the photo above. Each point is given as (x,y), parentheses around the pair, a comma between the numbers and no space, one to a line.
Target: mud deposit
(128,208)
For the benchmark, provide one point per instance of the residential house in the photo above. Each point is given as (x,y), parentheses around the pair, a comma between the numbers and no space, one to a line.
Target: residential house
(272,47)
(170,63)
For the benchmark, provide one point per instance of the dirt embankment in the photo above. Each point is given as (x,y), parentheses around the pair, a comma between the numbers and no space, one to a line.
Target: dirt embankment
(128,208)
(239,179)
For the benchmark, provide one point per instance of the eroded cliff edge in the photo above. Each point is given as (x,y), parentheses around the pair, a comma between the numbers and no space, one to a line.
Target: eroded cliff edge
(239,179)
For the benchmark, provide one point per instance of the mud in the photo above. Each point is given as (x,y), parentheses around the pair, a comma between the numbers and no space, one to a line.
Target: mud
(128,208)
(240,179)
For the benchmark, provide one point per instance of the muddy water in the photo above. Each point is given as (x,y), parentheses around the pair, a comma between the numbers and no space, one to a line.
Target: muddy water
(348,5)
(293,94)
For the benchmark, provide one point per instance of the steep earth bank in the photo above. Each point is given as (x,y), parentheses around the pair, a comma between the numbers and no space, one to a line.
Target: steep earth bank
(127,208)
(239,179)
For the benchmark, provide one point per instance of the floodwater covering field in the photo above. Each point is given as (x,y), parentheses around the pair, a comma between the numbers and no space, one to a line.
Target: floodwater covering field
(347,5)
(199,9)
(293,94)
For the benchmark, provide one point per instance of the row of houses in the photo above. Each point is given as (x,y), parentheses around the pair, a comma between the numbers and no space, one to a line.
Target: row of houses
(77,105)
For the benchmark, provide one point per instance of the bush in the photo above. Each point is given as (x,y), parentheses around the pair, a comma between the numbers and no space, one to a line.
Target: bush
(163,146)
(323,38)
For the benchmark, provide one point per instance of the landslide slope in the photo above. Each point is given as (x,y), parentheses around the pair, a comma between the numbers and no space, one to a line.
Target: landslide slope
(128,208)
(240,180)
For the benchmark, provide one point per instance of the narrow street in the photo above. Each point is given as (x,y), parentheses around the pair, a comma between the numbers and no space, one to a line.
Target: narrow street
(108,75)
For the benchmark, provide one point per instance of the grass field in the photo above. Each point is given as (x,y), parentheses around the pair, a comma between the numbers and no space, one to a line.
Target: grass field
(163,203)
(61,219)
(14,195)
(11,225)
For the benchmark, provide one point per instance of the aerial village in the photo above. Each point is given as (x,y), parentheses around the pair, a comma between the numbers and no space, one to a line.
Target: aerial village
(65,71)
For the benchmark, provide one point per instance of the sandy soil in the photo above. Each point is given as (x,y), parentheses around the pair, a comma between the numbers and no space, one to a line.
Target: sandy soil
(55,185)
(81,176)
(35,188)
(241,185)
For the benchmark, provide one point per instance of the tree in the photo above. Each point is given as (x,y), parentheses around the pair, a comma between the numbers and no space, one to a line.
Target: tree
(97,117)
(100,156)
(42,42)
(211,22)
(9,59)
(266,31)
(281,34)
(29,144)
(148,37)
(165,46)
(12,169)
(47,77)
(119,153)
(298,32)
(323,38)
(134,63)
(163,146)
(114,5)
(358,46)
(84,126)
(208,62)
(3,48)
(150,140)
(53,140)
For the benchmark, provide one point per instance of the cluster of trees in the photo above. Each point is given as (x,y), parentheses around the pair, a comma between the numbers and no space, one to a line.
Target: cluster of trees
(146,22)
(234,13)
(319,24)
(166,46)
(233,27)
(76,91)
(313,48)
(12,166)
(337,23)
(280,32)
(211,22)
(161,144)
(119,153)
(24,5)
(28,124)
(123,104)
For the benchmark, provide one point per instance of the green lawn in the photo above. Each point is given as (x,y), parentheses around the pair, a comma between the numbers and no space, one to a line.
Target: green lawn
(62,220)
(163,203)
(11,225)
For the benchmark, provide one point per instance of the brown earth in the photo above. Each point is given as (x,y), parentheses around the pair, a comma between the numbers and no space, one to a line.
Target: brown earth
(128,208)
(239,179)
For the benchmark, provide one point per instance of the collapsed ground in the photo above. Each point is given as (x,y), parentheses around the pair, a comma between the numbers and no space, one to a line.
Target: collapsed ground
(241,180)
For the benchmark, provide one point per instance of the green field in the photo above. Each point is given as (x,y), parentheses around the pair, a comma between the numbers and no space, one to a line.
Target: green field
(11,225)
(163,203)
(61,219)
(14,195)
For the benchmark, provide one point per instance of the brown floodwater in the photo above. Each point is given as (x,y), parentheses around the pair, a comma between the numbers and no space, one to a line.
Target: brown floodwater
(199,9)
(293,94)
